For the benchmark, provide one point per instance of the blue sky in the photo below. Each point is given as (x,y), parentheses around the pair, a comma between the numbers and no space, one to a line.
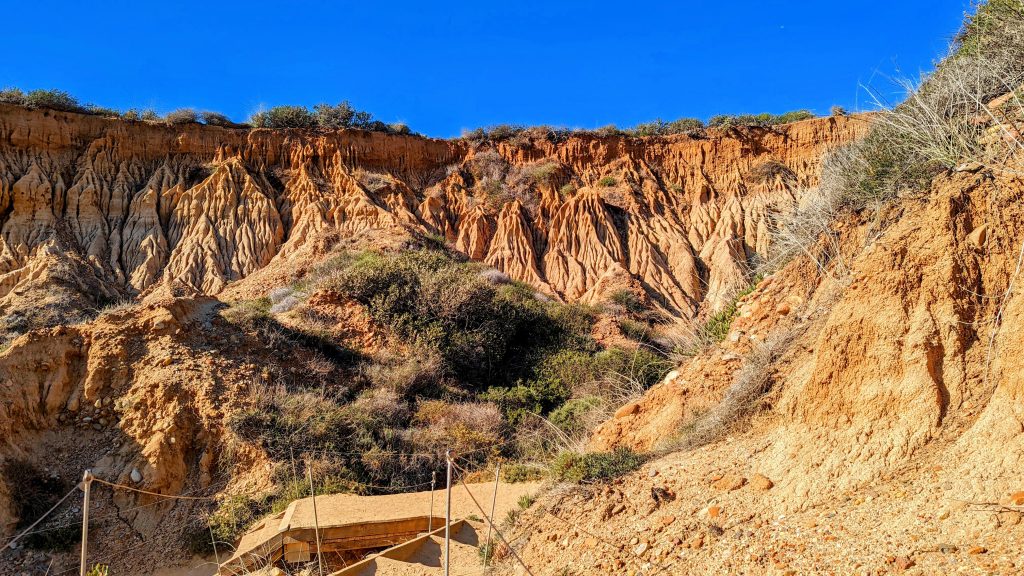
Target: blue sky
(445,66)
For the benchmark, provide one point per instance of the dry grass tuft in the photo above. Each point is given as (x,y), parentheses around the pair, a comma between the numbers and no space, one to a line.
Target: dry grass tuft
(750,384)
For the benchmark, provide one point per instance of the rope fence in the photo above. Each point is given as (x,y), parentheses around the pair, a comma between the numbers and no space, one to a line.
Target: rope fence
(458,475)
(10,545)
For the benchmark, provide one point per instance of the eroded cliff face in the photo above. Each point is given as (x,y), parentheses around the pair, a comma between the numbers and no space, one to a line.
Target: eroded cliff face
(93,211)
(119,205)
(891,421)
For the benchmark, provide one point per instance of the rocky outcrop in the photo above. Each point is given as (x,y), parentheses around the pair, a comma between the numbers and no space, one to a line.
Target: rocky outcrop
(208,206)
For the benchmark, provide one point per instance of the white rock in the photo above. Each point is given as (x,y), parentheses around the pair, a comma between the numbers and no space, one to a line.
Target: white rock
(136,475)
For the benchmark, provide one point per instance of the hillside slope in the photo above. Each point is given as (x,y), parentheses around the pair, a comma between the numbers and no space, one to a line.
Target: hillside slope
(892,433)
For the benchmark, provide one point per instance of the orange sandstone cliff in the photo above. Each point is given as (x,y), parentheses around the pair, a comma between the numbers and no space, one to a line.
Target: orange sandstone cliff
(95,211)
(114,206)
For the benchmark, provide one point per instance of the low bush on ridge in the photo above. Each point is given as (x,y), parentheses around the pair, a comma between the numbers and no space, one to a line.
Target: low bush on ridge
(762,120)
(323,116)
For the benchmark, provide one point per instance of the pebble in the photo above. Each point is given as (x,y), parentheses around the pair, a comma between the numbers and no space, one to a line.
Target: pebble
(761,482)
(904,563)
(729,483)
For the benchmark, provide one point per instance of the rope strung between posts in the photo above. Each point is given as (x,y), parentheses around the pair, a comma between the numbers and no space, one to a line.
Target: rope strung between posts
(491,522)
(141,491)
(41,518)
(120,512)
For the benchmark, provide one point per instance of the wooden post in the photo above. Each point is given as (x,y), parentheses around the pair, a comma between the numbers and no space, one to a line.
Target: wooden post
(494,503)
(86,484)
(448,517)
(316,520)
(430,518)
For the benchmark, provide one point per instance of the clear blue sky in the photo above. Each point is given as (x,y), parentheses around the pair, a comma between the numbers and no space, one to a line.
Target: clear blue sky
(445,66)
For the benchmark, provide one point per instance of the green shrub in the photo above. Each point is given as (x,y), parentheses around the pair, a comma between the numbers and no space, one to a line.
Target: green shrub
(988,27)
(495,133)
(250,314)
(877,169)
(540,173)
(525,501)
(641,365)
(609,130)
(607,181)
(838,111)
(596,466)
(571,417)
(53,100)
(639,331)
(576,369)
(341,116)
(290,417)
(515,472)
(512,517)
(485,333)
(628,300)
(716,327)
(758,120)
(218,119)
(102,111)
(485,550)
(656,128)
(689,126)
(419,373)
(182,116)
(284,117)
(12,96)
(470,428)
